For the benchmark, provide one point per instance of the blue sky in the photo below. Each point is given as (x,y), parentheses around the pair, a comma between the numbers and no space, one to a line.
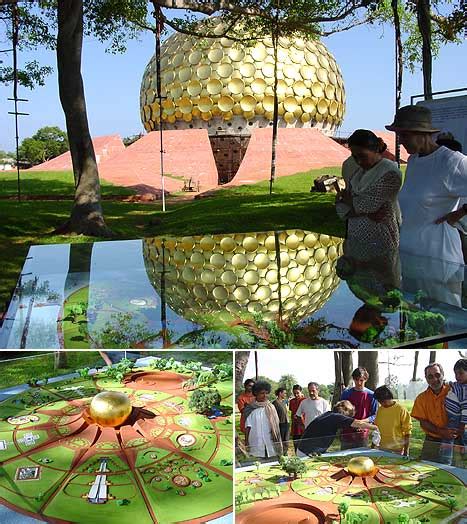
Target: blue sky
(112,82)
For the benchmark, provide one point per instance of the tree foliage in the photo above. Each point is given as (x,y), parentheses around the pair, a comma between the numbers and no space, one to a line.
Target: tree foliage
(203,400)
(48,142)
(293,466)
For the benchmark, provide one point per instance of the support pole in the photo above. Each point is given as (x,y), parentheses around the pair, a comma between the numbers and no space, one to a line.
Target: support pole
(15,99)
(159,27)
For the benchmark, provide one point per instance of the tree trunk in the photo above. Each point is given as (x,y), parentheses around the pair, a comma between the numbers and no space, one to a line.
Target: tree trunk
(399,68)
(60,360)
(432,357)
(369,360)
(415,366)
(343,373)
(275,117)
(347,367)
(86,215)
(424,26)
(241,362)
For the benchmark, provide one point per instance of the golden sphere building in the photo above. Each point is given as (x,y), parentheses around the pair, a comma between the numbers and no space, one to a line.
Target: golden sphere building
(227,88)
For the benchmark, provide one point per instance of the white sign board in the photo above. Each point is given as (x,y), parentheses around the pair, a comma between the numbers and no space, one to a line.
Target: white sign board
(450,114)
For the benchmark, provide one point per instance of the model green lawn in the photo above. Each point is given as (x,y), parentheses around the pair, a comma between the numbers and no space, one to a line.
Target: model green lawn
(232,210)
(418,490)
(62,487)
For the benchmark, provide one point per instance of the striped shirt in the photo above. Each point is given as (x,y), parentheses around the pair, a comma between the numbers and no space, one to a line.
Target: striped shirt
(456,403)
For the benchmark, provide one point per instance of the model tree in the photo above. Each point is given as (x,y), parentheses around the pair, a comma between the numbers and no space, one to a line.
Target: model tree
(203,400)
(342,508)
(452,503)
(293,466)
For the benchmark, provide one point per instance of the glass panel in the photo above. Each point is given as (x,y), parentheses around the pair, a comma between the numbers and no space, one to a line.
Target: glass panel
(337,487)
(290,288)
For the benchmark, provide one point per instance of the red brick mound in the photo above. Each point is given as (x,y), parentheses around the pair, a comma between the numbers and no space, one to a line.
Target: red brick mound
(105,147)
(298,149)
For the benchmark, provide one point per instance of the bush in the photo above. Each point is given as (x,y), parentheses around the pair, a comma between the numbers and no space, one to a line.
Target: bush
(203,400)
(293,466)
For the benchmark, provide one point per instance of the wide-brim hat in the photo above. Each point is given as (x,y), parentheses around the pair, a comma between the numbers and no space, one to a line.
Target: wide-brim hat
(413,118)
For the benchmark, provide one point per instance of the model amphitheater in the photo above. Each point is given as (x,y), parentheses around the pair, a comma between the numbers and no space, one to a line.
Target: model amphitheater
(228,89)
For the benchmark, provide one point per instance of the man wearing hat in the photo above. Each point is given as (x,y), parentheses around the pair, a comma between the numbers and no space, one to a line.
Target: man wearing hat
(435,187)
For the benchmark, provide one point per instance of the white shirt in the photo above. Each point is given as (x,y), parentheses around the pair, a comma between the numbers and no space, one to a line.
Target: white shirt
(259,439)
(312,409)
(435,185)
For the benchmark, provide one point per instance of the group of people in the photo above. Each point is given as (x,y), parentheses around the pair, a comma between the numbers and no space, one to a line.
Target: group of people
(422,214)
(311,425)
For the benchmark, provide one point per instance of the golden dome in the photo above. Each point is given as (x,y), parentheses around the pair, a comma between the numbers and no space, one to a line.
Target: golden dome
(361,466)
(211,82)
(237,274)
(110,408)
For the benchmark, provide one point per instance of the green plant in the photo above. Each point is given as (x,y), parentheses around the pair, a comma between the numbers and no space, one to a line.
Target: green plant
(203,400)
(451,503)
(293,466)
(342,508)
(118,371)
(83,372)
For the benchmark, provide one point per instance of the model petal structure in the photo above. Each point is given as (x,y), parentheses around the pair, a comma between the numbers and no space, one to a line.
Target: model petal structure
(59,464)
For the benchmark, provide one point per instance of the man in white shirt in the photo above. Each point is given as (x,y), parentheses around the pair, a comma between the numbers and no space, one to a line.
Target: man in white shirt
(262,432)
(314,406)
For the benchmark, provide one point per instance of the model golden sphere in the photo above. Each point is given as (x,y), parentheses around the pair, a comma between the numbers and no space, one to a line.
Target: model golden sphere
(110,408)
(361,466)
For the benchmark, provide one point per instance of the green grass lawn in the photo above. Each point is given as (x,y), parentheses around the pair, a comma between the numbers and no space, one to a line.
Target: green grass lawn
(53,183)
(230,210)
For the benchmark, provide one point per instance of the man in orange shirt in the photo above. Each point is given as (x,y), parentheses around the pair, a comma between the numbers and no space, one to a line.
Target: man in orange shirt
(429,410)
(243,399)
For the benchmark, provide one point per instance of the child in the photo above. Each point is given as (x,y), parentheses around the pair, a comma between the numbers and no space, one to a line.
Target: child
(393,421)
(456,409)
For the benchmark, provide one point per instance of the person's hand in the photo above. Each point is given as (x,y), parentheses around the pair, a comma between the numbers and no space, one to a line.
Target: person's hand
(452,217)
(345,197)
(378,216)
(447,433)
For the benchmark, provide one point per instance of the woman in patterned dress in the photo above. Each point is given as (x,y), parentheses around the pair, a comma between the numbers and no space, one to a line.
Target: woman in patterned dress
(369,201)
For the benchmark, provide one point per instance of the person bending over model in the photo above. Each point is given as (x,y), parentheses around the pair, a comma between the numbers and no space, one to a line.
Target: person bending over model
(321,432)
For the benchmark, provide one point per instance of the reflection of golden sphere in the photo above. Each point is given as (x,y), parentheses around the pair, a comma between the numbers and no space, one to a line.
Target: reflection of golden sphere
(361,466)
(192,67)
(226,275)
(110,408)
